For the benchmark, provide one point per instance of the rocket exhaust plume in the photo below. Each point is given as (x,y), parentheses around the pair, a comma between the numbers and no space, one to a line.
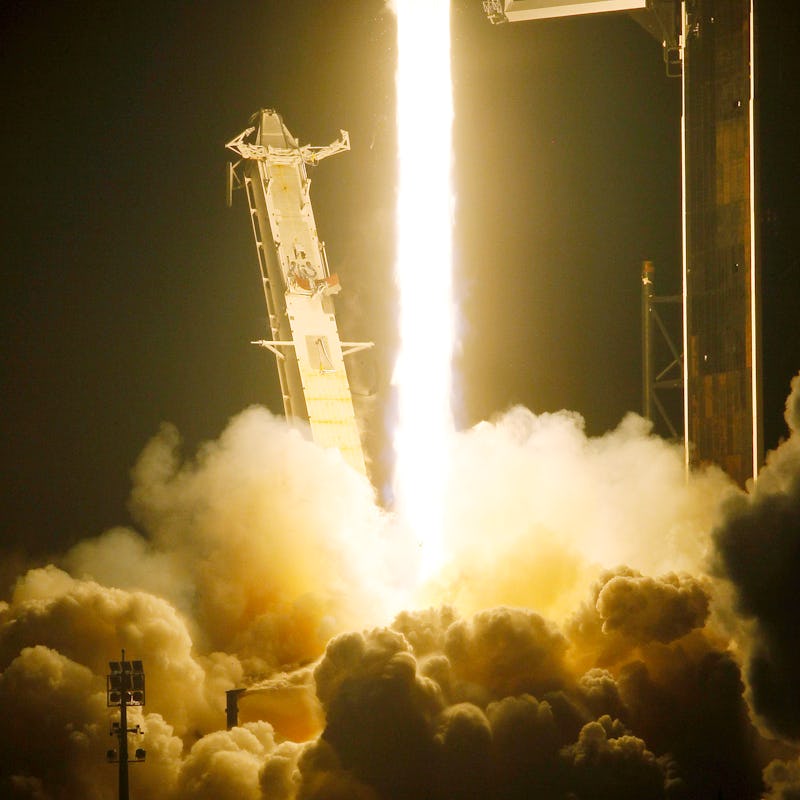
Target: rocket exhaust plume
(239,576)
(423,272)
(592,654)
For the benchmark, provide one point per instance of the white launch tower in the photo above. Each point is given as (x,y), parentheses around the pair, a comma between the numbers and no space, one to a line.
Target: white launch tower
(298,285)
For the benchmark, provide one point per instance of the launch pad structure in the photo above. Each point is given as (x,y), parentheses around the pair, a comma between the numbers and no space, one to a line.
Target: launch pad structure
(711,46)
(298,284)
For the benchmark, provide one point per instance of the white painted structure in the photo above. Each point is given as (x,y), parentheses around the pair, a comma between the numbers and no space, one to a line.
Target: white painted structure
(298,285)
(519,10)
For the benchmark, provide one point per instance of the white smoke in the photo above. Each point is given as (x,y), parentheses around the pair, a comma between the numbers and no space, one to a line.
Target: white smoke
(538,509)
(263,562)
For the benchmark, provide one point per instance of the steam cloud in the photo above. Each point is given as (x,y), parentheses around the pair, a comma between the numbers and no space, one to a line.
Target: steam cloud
(758,549)
(604,628)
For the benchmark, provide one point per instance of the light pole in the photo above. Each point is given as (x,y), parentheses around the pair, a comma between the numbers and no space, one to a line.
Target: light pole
(124,687)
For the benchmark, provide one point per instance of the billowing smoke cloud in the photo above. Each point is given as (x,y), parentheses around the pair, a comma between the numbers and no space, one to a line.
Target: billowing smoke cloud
(265,543)
(538,509)
(783,780)
(572,648)
(251,556)
(493,706)
(758,549)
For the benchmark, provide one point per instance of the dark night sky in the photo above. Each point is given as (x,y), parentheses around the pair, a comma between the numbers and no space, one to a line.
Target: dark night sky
(131,291)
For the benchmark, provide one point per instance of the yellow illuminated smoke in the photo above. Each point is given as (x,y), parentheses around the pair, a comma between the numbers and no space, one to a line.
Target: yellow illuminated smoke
(424,271)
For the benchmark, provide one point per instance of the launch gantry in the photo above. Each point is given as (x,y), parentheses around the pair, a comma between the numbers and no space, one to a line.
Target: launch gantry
(298,285)
(711,46)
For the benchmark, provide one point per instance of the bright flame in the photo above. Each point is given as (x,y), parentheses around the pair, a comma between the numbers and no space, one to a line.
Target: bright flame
(423,271)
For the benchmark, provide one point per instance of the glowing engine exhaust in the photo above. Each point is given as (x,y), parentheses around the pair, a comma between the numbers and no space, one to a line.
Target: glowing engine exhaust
(423,271)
